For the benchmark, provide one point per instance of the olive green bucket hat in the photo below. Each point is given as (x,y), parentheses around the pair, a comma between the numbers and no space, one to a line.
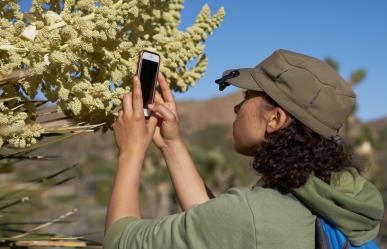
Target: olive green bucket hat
(306,87)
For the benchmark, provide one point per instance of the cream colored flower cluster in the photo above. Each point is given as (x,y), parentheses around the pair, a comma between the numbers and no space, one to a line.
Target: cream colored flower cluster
(16,130)
(83,54)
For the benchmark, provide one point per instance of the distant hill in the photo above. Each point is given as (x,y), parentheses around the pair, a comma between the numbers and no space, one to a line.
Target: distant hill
(196,115)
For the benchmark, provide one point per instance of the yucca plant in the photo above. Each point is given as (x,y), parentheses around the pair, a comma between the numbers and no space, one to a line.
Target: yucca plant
(81,55)
(19,199)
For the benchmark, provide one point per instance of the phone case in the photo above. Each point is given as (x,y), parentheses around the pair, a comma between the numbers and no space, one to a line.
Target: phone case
(147,112)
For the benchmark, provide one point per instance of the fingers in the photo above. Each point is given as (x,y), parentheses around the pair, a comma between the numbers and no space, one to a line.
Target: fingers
(166,91)
(164,111)
(127,103)
(132,102)
(118,119)
(152,123)
(158,98)
(138,109)
(170,106)
(120,115)
(120,112)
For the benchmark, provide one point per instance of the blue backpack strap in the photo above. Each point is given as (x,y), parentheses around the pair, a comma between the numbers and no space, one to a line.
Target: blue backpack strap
(321,240)
(336,238)
(330,237)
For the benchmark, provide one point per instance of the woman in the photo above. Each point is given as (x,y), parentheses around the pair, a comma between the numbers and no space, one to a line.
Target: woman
(289,121)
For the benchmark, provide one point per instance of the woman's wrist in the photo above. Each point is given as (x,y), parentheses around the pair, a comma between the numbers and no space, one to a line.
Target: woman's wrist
(130,157)
(172,146)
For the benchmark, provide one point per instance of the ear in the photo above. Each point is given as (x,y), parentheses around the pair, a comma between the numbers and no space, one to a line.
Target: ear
(278,119)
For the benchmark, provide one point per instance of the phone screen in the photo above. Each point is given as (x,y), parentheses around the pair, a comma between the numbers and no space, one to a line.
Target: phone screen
(147,78)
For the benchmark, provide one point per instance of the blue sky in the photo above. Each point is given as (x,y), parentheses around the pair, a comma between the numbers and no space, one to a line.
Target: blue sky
(352,32)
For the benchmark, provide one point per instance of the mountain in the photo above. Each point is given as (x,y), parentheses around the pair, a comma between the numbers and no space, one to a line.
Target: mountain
(196,115)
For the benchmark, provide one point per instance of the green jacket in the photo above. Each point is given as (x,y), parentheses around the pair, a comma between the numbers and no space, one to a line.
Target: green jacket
(259,218)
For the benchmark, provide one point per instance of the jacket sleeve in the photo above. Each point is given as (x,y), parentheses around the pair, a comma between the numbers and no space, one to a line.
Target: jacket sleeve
(222,222)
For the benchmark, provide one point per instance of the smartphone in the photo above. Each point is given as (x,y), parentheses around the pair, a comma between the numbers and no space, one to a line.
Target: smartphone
(147,69)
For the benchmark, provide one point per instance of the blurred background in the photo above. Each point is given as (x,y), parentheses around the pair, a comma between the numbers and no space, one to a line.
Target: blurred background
(350,35)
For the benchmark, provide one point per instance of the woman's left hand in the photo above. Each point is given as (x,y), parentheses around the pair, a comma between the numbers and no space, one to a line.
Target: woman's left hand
(132,132)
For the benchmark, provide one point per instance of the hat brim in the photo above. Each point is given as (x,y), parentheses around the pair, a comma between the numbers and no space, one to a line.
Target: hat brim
(244,80)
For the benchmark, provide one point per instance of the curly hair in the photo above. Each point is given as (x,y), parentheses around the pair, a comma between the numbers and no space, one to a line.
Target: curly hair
(287,157)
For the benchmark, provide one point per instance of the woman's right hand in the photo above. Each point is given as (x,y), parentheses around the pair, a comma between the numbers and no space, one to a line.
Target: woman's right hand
(164,108)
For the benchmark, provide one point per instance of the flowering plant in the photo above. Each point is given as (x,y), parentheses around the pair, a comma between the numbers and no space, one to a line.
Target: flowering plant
(82,55)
